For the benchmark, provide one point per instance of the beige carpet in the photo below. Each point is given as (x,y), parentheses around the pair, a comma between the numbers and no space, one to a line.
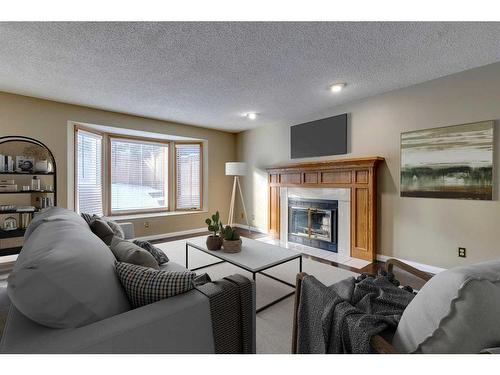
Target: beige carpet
(274,325)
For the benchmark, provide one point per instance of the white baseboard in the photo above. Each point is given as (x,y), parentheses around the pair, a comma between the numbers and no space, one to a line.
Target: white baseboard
(171,234)
(253,229)
(423,267)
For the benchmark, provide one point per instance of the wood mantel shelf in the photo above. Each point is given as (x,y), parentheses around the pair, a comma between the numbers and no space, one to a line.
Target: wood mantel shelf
(357,174)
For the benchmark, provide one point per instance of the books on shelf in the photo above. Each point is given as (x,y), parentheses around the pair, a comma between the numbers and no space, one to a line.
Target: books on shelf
(6,163)
(6,182)
(8,188)
(25,208)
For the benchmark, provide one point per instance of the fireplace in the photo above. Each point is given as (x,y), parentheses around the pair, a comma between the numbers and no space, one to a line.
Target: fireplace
(313,222)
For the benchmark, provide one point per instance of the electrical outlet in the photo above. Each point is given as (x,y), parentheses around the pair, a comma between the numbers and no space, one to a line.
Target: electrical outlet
(462,252)
(146,224)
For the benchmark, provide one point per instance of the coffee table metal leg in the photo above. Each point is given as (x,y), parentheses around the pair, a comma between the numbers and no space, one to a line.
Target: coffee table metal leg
(187,256)
(281,281)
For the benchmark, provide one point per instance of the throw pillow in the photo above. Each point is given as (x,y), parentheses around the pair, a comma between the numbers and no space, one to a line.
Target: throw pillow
(159,255)
(128,252)
(145,285)
(117,229)
(102,230)
(455,312)
(88,217)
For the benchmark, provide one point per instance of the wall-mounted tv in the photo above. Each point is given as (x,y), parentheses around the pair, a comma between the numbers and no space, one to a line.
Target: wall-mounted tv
(323,137)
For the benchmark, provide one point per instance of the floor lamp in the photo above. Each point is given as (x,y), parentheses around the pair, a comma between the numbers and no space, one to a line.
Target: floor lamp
(236,169)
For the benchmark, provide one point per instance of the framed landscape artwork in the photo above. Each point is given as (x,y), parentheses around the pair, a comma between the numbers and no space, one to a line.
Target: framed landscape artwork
(448,162)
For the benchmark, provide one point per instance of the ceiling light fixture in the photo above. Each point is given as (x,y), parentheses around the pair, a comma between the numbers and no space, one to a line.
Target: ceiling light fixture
(251,115)
(337,87)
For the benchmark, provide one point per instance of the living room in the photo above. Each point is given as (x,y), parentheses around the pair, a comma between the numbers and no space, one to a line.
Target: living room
(249,187)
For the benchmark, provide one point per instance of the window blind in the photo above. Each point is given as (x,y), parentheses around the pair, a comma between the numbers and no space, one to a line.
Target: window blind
(139,175)
(188,176)
(89,173)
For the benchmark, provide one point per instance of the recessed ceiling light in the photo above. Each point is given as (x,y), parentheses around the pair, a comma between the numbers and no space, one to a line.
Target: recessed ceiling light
(251,115)
(337,87)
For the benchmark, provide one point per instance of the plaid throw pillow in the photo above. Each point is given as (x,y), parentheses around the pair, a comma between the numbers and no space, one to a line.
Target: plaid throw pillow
(159,255)
(145,285)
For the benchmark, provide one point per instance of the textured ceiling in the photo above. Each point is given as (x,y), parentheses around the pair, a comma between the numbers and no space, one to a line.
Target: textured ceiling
(209,74)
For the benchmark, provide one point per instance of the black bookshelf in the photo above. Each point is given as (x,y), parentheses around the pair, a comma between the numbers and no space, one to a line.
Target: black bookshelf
(4,235)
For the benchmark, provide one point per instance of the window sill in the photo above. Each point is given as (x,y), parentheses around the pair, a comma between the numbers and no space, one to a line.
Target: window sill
(154,214)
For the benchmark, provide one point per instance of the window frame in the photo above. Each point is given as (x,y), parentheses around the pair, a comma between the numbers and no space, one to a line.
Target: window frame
(174,174)
(106,172)
(109,184)
(75,165)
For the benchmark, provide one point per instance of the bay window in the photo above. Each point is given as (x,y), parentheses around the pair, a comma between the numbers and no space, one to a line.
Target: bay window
(120,175)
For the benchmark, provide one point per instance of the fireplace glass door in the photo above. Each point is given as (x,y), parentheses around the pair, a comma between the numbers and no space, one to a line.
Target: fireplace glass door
(313,223)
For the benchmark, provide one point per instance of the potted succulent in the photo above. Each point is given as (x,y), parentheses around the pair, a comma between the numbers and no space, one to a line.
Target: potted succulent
(214,241)
(231,242)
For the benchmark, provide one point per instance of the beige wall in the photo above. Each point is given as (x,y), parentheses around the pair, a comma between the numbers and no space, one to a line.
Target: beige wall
(428,231)
(47,121)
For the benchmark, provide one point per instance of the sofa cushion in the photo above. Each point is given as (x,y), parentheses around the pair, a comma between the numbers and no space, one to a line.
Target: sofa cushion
(159,255)
(64,277)
(102,230)
(455,312)
(146,285)
(116,228)
(128,252)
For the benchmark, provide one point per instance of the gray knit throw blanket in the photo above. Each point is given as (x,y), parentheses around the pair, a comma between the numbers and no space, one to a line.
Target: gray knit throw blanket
(343,317)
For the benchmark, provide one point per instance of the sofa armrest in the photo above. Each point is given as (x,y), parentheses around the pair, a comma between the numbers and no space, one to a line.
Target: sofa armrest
(179,324)
(128,230)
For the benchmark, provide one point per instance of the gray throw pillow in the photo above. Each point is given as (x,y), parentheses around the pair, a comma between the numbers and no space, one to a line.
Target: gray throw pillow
(455,312)
(89,217)
(145,285)
(159,255)
(128,252)
(117,229)
(102,230)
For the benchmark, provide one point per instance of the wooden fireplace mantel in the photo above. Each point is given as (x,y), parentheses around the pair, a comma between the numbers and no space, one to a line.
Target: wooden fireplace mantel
(357,174)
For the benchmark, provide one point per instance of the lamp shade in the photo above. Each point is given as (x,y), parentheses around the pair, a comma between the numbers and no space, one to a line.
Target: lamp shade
(234,168)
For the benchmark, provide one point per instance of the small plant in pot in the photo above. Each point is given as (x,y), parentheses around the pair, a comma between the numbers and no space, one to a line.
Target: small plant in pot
(214,241)
(231,240)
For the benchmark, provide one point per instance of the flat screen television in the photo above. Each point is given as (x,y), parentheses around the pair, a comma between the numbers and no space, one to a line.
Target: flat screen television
(323,137)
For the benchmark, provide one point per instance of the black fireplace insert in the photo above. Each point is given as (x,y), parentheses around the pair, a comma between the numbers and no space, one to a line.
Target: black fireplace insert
(313,222)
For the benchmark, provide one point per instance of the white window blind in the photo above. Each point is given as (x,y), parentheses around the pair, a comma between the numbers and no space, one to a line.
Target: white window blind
(89,173)
(139,175)
(188,176)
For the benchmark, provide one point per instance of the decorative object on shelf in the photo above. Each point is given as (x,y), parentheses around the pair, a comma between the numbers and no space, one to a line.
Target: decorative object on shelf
(42,166)
(26,188)
(214,241)
(24,164)
(10,223)
(448,162)
(25,220)
(35,183)
(231,242)
(236,169)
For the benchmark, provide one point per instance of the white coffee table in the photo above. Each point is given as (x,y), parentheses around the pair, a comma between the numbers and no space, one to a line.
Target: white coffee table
(255,257)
